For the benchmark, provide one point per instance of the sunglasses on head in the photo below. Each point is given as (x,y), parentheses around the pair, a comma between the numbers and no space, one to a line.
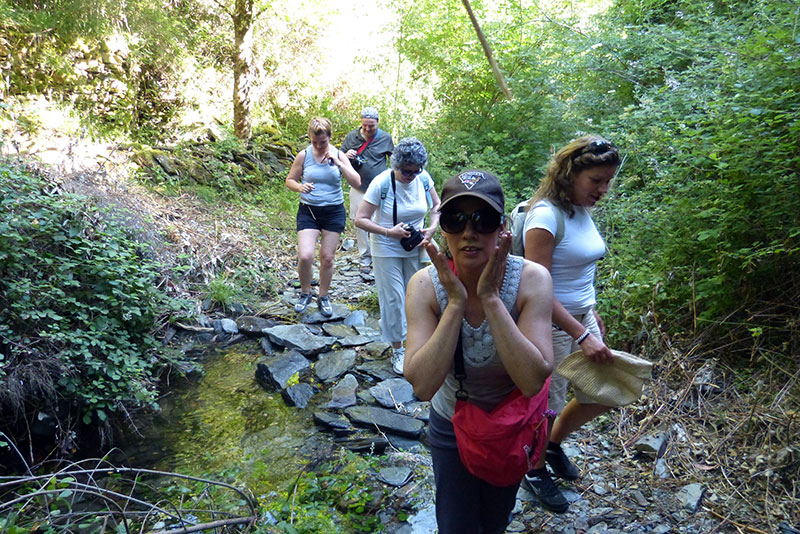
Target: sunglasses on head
(596,147)
(484,221)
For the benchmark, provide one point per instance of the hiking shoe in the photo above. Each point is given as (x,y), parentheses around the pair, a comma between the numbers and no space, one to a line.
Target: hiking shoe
(398,358)
(542,486)
(560,463)
(325,307)
(302,302)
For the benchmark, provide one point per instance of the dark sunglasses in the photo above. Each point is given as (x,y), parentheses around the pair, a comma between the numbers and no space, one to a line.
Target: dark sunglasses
(484,221)
(410,174)
(596,147)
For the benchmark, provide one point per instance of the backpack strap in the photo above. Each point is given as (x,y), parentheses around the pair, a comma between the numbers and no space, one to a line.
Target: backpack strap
(426,183)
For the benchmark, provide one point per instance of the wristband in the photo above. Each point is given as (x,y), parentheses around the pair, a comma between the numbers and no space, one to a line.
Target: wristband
(582,337)
(386,232)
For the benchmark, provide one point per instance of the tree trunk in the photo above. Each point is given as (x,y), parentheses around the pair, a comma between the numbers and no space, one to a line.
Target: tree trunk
(242,68)
(487,50)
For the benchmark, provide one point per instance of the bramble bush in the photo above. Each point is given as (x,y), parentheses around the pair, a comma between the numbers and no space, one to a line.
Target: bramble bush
(79,299)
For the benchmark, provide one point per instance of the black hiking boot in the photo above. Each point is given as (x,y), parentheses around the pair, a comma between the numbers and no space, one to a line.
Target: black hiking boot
(560,464)
(539,483)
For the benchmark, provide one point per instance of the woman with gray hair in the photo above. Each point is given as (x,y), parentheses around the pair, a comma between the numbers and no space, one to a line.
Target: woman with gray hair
(393,212)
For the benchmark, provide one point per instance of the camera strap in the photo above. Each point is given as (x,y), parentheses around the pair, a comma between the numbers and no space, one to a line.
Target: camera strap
(394,200)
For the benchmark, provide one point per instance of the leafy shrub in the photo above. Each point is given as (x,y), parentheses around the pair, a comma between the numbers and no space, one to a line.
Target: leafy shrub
(79,299)
(337,496)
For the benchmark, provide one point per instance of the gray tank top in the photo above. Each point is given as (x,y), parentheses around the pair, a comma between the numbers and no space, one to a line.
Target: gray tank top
(327,182)
(487,381)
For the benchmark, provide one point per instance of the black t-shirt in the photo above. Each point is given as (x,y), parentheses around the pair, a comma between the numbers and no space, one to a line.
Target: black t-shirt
(376,153)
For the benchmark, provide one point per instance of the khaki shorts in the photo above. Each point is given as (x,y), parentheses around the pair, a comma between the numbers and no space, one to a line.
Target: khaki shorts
(563,346)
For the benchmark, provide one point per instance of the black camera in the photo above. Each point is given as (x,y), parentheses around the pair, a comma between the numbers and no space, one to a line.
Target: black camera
(358,161)
(413,240)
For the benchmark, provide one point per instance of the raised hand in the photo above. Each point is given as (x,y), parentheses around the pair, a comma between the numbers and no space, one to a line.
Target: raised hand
(456,292)
(491,279)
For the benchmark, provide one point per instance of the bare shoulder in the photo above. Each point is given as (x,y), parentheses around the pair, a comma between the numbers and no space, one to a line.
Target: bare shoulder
(536,278)
(421,282)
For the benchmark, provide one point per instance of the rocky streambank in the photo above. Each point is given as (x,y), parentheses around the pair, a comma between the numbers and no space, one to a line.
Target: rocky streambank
(337,371)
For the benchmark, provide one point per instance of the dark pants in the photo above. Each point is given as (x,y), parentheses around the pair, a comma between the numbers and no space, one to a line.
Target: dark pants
(466,504)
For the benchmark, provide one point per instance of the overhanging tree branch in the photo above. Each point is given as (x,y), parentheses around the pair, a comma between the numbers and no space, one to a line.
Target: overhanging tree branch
(487,50)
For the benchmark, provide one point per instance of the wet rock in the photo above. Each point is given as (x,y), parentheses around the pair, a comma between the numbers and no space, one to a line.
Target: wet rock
(278,371)
(300,338)
(332,365)
(653,444)
(690,496)
(515,526)
(355,341)
(357,317)
(343,394)
(405,444)
(347,244)
(225,326)
(661,529)
(392,393)
(313,315)
(266,346)
(331,421)
(367,330)
(338,330)
(376,349)
(395,476)
(251,324)
(382,370)
(366,445)
(298,395)
(386,420)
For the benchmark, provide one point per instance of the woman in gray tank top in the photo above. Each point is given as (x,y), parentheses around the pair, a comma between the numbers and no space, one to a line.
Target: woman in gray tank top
(316,174)
(500,306)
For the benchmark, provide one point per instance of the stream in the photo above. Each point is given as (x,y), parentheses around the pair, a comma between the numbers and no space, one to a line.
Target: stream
(223,422)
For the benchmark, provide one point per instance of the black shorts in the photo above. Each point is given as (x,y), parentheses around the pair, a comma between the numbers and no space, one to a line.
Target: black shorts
(331,218)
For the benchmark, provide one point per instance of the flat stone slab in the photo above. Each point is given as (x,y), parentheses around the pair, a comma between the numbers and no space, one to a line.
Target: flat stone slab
(380,369)
(338,330)
(343,394)
(332,365)
(385,420)
(300,338)
(313,315)
(280,369)
(393,393)
(332,420)
(298,395)
(395,476)
(371,444)
(250,324)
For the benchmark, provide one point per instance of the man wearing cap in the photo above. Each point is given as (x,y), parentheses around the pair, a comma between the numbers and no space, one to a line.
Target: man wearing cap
(368,148)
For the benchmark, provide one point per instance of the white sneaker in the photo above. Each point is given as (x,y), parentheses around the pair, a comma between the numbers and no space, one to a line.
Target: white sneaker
(398,358)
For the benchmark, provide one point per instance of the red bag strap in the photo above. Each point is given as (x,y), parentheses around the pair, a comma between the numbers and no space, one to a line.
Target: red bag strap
(360,150)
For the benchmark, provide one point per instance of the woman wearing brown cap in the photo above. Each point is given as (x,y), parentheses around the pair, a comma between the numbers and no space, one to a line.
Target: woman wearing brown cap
(497,308)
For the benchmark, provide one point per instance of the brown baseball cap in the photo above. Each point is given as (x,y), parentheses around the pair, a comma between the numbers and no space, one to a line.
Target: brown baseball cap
(484,185)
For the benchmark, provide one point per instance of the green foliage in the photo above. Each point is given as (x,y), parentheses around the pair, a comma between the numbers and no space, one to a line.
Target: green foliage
(703,224)
(78,304)
(337,496)
(713,175)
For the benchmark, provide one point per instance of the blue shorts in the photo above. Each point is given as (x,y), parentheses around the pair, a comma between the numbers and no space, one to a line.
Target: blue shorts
(331,218)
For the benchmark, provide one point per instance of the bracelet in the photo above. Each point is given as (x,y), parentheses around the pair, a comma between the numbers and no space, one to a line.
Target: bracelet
(582,337)
(386,232)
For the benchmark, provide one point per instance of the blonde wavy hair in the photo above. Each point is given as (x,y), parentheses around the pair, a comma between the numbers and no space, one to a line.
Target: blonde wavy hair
(580,154)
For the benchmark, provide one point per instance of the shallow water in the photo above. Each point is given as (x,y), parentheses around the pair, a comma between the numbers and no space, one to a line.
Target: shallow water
(226,423)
